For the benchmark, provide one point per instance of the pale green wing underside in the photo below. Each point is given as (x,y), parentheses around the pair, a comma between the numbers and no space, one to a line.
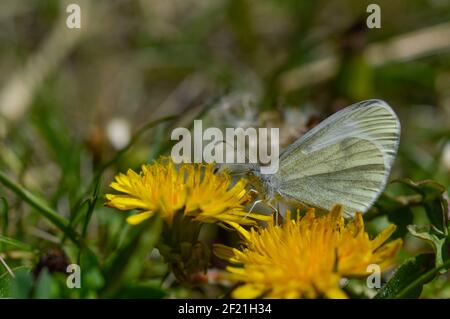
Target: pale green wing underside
(346,159)
(350,172)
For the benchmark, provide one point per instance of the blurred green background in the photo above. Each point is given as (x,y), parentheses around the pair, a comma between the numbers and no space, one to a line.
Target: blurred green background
(72,99)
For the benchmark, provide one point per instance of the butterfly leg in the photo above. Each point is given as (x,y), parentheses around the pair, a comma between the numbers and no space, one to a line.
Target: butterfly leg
(254,204)
(276,210)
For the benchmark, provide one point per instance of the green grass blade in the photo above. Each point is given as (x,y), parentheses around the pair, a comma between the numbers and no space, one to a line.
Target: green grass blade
(16,243)
(35,202)
(42,207)
(4,215)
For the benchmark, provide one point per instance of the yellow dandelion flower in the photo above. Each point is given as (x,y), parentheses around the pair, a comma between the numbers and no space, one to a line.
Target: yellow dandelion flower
(306,257)
(194,189)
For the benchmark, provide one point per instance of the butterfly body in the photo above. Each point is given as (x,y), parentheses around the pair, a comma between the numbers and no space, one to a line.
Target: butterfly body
(266,184)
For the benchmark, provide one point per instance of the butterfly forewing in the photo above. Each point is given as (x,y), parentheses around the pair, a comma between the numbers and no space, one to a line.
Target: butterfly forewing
(349,172)
(346,159)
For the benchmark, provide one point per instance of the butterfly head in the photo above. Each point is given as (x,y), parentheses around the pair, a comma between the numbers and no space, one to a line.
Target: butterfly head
(265,184)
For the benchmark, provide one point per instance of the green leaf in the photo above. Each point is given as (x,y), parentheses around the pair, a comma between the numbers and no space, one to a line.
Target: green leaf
(423,279)
(433,237)
(434,200)
(406,274)
(437,213)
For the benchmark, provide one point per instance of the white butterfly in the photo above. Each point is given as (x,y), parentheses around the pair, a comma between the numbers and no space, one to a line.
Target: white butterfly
(346,159)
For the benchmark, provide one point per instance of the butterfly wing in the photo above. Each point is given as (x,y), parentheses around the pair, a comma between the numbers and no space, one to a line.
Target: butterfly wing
(346,159)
